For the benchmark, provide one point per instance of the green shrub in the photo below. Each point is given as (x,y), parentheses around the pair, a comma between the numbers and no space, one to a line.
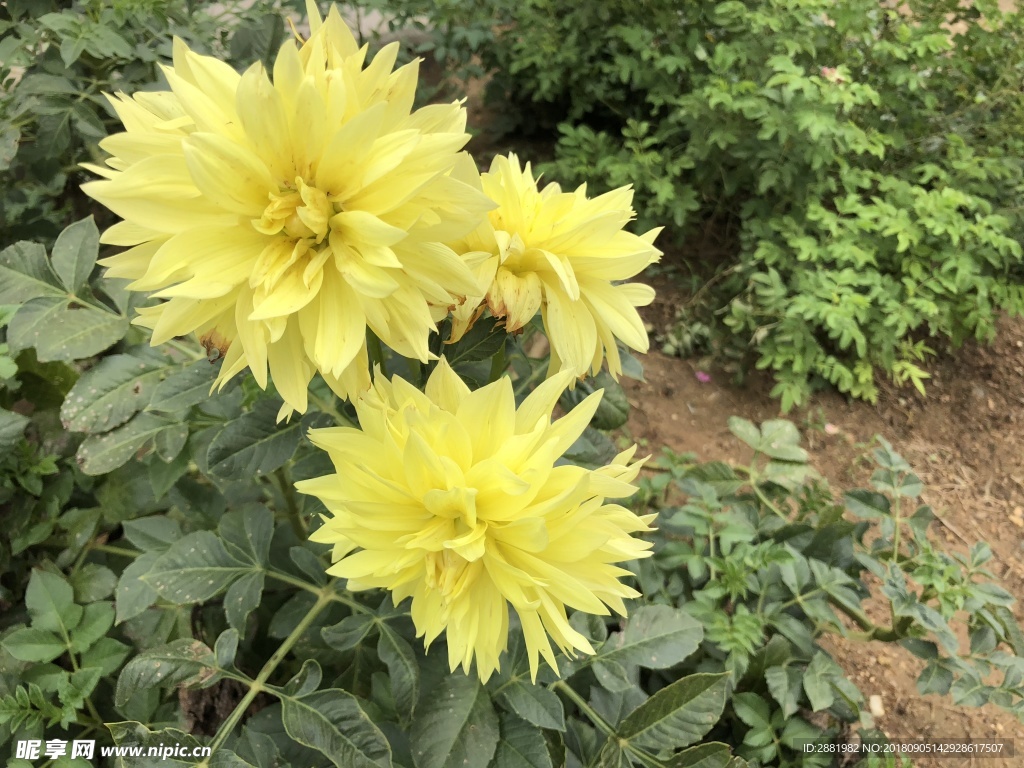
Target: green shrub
(865,164)
(56,61)
(769,561)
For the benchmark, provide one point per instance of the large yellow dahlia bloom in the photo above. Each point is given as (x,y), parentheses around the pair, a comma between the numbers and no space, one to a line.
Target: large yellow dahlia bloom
(452,498)
(280,219)
(560,253)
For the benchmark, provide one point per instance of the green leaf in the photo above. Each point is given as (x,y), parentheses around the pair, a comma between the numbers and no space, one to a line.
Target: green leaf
(133,595)
(247,533)
(867,504)
(936,677)
(677,715)
(592,449)
(182,661)
(349,632)
(9,137)
(311,565)
(74,254)
(481,342)
(100,454)
(194,569)
(613,410)
(110,393)
(521,746)
(152,534)
(242,598)
(306,680)
(106,654)
(96,620)
(784,684)
(656,637)
(252,444)
(403,670)
(169,442)
(184,388)
(780,440)
(25,274)
(51,602)
(92,582)
(33,645)
(225,648)
(332,722)
(164,475)
(131,734)
(746,431)
(817,681)
(752,709)
(62,331)
(12,426)
(710,755)
(455,726)
(533,703)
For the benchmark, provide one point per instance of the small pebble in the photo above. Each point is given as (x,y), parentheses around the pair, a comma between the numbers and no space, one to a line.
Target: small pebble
(875,706)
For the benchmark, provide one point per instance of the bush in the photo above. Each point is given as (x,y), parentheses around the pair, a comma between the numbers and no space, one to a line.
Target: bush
(866,163)
(56,61)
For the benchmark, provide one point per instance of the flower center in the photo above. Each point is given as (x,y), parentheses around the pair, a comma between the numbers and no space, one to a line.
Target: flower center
(301,217)
(303,212)
(448,574)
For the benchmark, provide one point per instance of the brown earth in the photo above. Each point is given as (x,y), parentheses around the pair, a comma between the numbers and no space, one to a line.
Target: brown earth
(965,442)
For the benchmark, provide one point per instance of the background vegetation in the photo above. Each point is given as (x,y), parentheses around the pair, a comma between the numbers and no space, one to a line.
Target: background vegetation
(863,168)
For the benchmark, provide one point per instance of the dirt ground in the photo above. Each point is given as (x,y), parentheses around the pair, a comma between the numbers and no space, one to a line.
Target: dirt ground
(964,440)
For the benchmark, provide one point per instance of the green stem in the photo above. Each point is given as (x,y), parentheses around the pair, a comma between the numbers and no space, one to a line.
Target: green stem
(337,597)
(258,685)
(897,528)
(601,724)
(185,349)
(582,705)
(112,550)
(284,482)
(329,408)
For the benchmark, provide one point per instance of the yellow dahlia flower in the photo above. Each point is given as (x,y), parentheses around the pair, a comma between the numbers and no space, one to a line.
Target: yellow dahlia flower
(281,219)
(560,253)
(452,498)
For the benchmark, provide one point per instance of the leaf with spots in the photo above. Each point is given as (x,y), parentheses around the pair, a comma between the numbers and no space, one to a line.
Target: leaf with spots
(522,745)
(74,254)
(12,425)
(110,393)
(455,726)
(194,569)
(100,454)
(247,532)
(332,722)
(50,601)
(25,274)
(679,714)
(133,595)
(182,661)
(252,444)
(60,329)
(242,598)
(185,386)
(655,637)
(403,669)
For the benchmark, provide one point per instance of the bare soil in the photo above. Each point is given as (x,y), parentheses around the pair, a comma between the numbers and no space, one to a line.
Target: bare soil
(964,440)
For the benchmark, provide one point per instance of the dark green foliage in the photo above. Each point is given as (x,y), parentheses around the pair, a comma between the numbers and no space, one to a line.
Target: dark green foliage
(863,164)
(769,561)
(57,59)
